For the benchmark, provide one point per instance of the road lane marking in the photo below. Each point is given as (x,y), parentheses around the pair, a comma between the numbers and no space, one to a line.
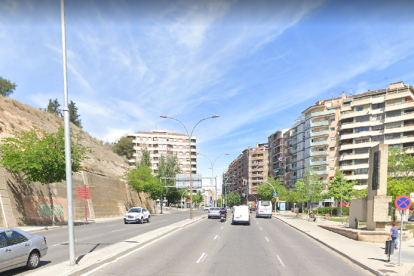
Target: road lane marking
(257,222)
(129,253)
(164,220)
(216,237)
(280,261)
(260,228)
(222,227)
(117,230)
(202,255)
(267,239)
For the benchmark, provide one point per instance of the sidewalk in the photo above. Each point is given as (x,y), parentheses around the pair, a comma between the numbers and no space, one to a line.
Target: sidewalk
(367,255)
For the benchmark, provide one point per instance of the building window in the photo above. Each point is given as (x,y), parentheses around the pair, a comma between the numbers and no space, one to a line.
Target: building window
(362,140)
(332,138)
(359,108)
(333,119)
(362,118)
(378,138)
(332,129)
(395,113)
(332,148)
(331,168)
(376,106)
(361,129)
(392,136)
(361,161)
(361,151)
(361,171)
(393,125)
(331,158)
(381,127)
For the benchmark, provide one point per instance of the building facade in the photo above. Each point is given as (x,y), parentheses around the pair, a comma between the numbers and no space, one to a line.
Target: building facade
(376,117)
(163,142)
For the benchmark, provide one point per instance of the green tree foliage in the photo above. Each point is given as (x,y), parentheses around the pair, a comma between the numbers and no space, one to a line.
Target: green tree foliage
(234,199)
(348,191)
(53,107)
(265,192)
(145,158)
(40,157)
(124,147)
(74,115)
(142,181)
(400,164)
(198,198)
(168,167)
(6,87)
(309,188)
(397,187)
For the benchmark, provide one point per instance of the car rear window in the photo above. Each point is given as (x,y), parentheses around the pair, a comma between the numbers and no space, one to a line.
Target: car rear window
(265,203)
(213,209)
(135,210)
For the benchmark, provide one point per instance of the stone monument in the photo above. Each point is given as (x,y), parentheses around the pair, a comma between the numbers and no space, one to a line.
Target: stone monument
(375,208)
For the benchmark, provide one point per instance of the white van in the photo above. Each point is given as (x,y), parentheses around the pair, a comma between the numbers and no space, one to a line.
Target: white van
(241,214)
(264,209)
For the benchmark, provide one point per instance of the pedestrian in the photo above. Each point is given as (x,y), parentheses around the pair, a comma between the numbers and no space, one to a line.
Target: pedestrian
(312,215)
(393,234)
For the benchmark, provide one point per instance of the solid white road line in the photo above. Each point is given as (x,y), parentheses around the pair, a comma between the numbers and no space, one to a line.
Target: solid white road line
(117,230)
(260,228)
(202,255)
(216,237)
(267,239)
(280,261)
(222,227)
(257,222)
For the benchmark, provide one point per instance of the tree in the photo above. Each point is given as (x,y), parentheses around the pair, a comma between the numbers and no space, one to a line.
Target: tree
(53,107)
(140,179)
(265,192)
(310,186)
(124,147)
(6,87)
(334,189)
(198,198)
(234,199)
(168,167)
(40,157)
(145,158)
(73,115)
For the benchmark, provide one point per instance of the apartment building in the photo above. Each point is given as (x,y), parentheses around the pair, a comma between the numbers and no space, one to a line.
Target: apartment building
(277,154)
(248,171)
(366,120)
(163,142)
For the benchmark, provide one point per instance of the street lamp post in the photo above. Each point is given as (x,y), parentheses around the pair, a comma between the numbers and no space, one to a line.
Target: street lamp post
(189,145)
(185,190)
(212,171)
(340,168)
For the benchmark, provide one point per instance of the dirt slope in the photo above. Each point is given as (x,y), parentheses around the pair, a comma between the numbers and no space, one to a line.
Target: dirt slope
(17,116)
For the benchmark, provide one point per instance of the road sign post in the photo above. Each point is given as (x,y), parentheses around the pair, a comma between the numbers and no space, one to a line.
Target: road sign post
(84,193)
(402,203)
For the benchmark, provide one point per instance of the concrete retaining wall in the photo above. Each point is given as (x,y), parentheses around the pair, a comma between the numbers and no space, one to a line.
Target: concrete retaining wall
(28,204)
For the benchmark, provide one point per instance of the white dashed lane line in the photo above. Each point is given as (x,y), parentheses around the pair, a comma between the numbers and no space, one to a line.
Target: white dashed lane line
(216,237)
(260,228)
(222,227)
(280,261)
(199,260)
(267,239)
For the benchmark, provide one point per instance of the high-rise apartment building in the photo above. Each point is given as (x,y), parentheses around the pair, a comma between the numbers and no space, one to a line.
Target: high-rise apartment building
(383,116)
(277,155)
(248,171)
(163,142)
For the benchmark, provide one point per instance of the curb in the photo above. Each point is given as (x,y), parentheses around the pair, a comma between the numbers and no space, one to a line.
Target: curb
(334,249)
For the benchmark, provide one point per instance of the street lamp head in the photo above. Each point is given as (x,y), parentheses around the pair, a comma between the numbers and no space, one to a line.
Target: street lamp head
(164,116)
(215,116)
(227,154)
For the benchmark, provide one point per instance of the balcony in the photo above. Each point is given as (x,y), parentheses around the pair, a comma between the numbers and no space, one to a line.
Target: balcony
(354,156)
(319,163)
(357,177)
(321,172)
(319,133)
(296,150)
(318,153)
(318,124)
(320,113)
(397,106)
(295,134)
(321,143)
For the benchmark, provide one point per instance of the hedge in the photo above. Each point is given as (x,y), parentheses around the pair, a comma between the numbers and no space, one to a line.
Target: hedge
(327,210)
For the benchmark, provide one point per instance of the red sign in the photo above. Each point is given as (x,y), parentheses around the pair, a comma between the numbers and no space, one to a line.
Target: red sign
(187,200)
(403,202)
(84,193)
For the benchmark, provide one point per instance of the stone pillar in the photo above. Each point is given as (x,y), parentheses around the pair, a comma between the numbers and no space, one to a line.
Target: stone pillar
(377,200)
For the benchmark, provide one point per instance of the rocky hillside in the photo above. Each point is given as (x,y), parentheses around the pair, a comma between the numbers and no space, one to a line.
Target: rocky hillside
(16,116)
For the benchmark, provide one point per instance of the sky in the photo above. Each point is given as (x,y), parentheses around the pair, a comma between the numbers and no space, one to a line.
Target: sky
(256,64)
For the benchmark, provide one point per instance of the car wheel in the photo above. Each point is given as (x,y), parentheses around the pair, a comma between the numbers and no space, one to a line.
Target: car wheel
(209,217)
(125,222)
(34,260)
(141,221)
(248,223)
(149,219)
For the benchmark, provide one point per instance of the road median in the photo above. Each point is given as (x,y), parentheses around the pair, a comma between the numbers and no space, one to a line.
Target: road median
(98,258)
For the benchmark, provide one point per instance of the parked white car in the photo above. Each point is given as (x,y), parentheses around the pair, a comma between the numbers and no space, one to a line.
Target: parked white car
(18,248)
(207,207)
(264,209)
(137,215)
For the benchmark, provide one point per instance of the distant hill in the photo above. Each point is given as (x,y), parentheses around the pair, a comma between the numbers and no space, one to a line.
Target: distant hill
(17,116)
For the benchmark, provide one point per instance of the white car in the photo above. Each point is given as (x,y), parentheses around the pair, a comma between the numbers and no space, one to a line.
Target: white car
(264,209)
(207,207)
(18,248)
(137,215)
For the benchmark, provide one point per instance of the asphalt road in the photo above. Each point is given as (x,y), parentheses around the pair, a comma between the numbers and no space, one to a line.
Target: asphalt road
(209,247)
(97,236)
